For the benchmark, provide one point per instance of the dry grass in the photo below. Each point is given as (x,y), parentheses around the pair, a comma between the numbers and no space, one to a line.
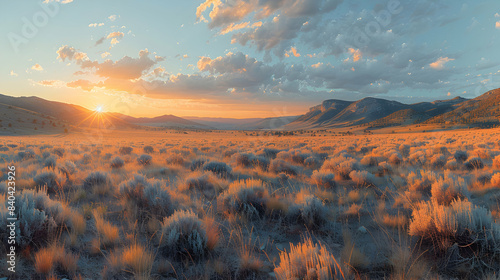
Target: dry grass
(108,234)
(138,260)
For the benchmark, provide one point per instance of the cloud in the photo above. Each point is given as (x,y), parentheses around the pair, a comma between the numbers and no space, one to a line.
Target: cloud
(356,54)
(275,24)
(293,51)
(125,68)
(113,17)
(105,54)
(83,84)
(59,1)
(96,24)
(233,27)
(485,64)
(67,52)
(114,36)
(50,83)
(12,73)
(37,67)
(440,63)
(497,25)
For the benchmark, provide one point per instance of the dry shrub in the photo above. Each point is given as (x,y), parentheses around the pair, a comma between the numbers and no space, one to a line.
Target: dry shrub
(53,180)
(138,260)
(108,234)
(308,210)
(342,166)
(496,162)
(246,197)
(495,180)
(460,222)
(183,234)
(362,178)
(449,188)
(324,179)
(47,259)
(307,260)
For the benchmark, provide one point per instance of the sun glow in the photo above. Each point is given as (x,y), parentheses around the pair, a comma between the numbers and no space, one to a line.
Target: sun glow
(99,109)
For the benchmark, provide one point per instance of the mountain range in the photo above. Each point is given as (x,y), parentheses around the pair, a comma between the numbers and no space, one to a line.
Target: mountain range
(21,115)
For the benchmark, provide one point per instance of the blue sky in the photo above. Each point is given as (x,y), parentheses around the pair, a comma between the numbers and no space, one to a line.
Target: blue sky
(246,58)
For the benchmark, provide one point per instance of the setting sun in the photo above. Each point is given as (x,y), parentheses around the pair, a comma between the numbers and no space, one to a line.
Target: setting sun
(99,109)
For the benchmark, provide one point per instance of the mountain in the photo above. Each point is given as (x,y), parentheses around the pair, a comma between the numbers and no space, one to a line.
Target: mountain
(483,110)
(338,113)
(37,110)
(372,113)
(166,121)
(418,113)
(244,124)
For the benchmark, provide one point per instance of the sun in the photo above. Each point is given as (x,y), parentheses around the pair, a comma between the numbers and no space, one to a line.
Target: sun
(99,109)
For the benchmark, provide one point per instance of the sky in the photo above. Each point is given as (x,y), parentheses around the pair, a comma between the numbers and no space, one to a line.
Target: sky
(246,58)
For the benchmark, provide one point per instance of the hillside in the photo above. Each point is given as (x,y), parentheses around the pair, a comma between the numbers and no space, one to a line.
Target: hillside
(480,111)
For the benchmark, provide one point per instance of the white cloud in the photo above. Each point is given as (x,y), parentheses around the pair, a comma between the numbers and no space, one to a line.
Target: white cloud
(96,24)
(12,73)
(37,67)
(113,17)
(59,1)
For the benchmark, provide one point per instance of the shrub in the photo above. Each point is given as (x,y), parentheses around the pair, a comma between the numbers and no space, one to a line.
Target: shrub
(219,168)
(148,195)
(52,179)
(125,150)
(281,166)
(309,211)
(460,156)
(96,179)
(175,159)
(308,261)
(117,162)
(247,197)
(438,161)
(148,149)
(496,162)
(138,260)
(206,183)
(395,159)
(59,152)
(144,160)
(50,162)
(323,179)
(369,161)
(460,222)
(474,163)
(421,181)
(448,188)
(26,154)
(362,178)
(68,167)
(341,166)
(197,164)
(250,160)
(108,233)
(183,234)
(495,180)
(418,158)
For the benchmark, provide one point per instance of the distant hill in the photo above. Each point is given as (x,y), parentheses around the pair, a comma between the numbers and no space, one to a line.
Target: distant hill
(372,113)
(166,121)
(480,111)
(68,115)
(34,115)
(244,124)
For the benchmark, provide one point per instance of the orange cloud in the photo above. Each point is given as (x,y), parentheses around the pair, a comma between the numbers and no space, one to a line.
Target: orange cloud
(293,51)
(439,64)
(497,25)
(83,84)
(356,54)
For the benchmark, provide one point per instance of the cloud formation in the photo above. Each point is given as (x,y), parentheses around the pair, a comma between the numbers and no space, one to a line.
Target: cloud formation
(440,63)
(37,67)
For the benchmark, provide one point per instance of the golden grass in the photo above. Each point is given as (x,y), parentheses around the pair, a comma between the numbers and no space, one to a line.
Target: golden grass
(139,260)
(109,234)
